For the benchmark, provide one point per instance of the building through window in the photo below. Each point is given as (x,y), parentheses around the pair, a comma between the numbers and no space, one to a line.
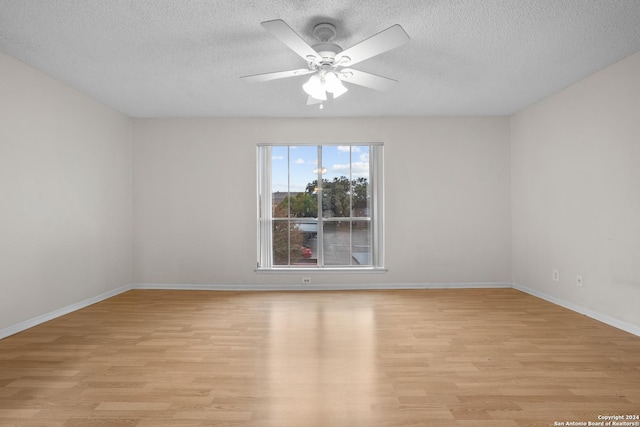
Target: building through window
(320,206)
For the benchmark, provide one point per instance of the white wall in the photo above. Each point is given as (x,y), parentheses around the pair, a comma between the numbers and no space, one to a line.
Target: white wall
(576,193)
(65,195)
(447,198)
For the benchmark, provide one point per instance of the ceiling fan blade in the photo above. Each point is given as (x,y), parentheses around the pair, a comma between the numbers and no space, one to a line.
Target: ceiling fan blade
(277,75)
(365,79)
(286,35)
(385,40)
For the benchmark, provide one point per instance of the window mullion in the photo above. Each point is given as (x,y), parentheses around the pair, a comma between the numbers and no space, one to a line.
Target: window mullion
(320,222)
(376,178)
(289,206)
(350,205)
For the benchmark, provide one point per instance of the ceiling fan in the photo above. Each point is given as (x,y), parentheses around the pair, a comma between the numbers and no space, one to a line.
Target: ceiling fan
(328,64)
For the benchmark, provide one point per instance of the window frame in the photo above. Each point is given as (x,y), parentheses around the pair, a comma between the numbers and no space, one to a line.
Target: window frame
(265,220)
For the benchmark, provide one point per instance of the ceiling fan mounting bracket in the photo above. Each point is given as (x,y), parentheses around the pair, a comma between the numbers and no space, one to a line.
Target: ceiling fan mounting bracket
(324,32)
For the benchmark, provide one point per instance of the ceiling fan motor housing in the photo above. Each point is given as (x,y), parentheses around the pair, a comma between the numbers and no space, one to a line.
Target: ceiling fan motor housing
(327,51)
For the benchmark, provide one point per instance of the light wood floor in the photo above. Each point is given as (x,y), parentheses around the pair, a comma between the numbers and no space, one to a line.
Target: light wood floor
(493,357)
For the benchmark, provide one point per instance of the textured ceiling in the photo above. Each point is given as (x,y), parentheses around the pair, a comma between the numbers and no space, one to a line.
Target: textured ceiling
(170,58)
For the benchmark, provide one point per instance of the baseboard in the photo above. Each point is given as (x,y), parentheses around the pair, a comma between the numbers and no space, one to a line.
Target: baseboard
(616,323)
(319,287)
(30,323)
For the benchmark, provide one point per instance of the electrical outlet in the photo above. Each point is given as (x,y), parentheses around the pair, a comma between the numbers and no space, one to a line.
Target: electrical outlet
(579,280)
(306,280)
(556,275)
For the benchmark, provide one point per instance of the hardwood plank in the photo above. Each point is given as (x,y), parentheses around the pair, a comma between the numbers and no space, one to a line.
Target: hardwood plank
(465,357)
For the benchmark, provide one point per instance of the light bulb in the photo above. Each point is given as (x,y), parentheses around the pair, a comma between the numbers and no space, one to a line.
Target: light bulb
(331,80)
(315,88)
(334,85)
(339,90)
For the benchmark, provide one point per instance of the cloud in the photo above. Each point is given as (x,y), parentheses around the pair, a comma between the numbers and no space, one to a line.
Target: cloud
(277,157)
(299,161)
(358,169)
(345,148)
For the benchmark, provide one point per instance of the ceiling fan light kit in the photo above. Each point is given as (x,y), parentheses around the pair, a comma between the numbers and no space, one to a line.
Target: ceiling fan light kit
(315,88)
(326,60)
(322,83)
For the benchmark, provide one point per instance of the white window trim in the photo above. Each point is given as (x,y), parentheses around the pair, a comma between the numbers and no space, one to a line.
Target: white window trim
(264,213)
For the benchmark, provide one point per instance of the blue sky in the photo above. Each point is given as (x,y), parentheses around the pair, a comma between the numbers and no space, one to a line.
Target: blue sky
(299,162)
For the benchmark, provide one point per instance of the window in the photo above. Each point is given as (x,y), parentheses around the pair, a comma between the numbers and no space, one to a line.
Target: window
(320,206)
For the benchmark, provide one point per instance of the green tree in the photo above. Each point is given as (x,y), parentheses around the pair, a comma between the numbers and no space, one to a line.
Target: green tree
(340,195)
(360,195)
(302,206)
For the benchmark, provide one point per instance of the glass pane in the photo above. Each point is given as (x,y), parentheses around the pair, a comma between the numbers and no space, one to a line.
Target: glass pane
(308,248)
(361,199)
(279,181)
(336,187)
(361,243)
(287,242)
(336,242)
(294,181)
(303,164)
